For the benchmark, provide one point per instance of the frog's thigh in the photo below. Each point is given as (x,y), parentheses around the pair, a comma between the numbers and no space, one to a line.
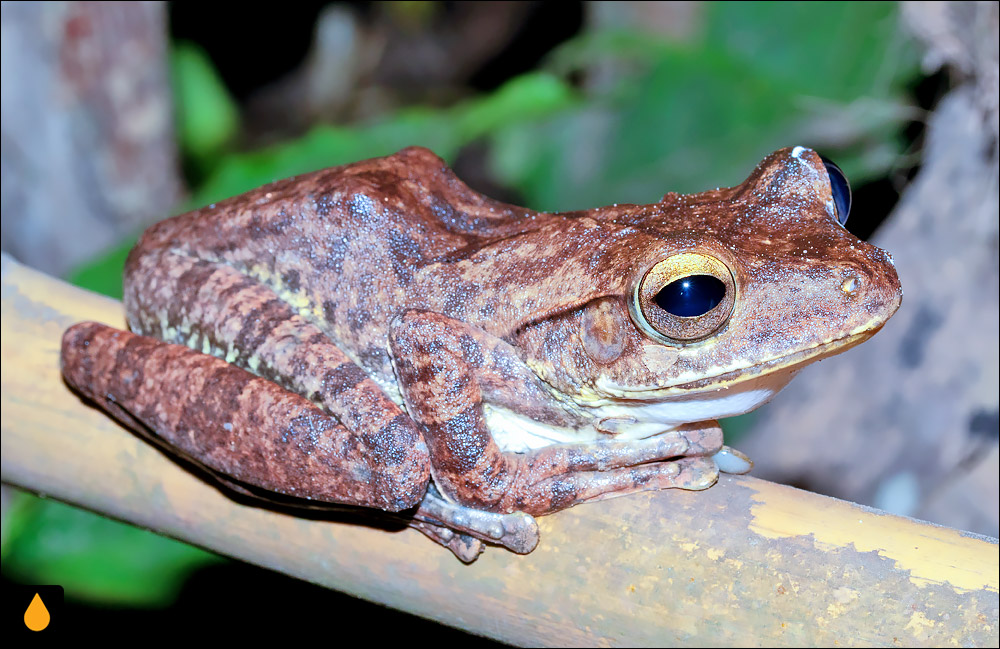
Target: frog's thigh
(170,296)
(225,418)
(443,366)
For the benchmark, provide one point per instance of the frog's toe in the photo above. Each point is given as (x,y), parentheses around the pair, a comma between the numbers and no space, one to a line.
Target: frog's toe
(463,546)
(729,460)
(695,473)
(520,532)
(701,439)
(466,548)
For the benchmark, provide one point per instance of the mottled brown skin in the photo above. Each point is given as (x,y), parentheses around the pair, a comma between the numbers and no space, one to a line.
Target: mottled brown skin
(390,282)
(210,411)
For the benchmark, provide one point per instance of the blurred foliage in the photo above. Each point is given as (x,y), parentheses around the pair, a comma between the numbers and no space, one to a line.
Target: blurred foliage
(104,274)
(208,121)
(93,558)
(524,99)
(686,116)
(653,116)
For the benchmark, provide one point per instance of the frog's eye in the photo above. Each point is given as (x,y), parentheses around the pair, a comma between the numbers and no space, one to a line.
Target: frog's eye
(684,298)
(840,188)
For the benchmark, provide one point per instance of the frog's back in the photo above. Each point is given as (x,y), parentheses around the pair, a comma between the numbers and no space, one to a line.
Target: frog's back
(345,244)
(411,194)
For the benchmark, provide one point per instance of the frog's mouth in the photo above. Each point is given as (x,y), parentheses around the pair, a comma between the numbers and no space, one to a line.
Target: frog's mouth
(731,379)
(640,412)
(793,362)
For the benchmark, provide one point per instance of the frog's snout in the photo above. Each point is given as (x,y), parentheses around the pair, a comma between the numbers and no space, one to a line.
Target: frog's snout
(875,285)
(892,288)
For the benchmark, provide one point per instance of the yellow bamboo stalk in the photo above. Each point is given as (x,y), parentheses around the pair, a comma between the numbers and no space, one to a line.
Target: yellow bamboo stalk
(744,563)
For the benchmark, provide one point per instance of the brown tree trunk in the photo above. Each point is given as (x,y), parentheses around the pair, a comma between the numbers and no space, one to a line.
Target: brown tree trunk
(88,140)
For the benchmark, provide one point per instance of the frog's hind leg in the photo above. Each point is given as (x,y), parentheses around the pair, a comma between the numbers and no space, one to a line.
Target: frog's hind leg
(240,427)
(375,455)
(227,419)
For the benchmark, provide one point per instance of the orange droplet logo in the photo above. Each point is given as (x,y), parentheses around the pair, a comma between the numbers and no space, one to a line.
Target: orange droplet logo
(37,616)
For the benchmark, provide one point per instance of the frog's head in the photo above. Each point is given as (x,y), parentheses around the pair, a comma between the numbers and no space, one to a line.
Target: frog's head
(710,302)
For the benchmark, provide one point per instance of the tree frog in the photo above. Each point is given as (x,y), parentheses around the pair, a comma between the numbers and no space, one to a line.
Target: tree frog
(379,334)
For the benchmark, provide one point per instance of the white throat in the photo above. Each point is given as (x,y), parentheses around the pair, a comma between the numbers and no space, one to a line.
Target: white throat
(634,419)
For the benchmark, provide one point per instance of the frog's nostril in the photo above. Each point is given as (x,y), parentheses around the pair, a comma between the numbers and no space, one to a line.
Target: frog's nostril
(851,282)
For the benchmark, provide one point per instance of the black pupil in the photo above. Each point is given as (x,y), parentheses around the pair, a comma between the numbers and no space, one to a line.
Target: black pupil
(691,296)
(841,190)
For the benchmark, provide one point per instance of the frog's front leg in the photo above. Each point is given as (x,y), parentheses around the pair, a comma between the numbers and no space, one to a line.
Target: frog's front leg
(447,369)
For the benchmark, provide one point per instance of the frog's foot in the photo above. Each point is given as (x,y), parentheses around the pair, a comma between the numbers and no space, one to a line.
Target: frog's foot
(517,532)
(689,473)
(703,438)
(729,460)
(553,478)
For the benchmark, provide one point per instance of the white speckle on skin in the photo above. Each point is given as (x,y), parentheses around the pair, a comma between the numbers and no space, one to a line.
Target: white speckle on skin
(798,151)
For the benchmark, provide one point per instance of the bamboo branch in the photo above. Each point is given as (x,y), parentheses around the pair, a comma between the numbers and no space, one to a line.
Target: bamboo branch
(745,563)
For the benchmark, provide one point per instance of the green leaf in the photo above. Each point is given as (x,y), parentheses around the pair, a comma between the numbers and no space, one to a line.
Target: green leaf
(526,99)
(104,274)
(207,117)
(94,558)
(821,49)
(689,116)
